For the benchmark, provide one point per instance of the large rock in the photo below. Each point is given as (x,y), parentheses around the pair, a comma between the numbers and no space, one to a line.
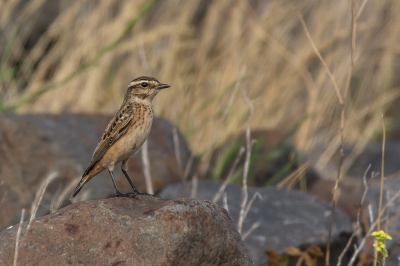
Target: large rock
(287,218)
(34,146)
(347,201)
(274,157)
(125,231)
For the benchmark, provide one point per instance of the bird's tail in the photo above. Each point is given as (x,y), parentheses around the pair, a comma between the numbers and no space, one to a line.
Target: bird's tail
(79,187)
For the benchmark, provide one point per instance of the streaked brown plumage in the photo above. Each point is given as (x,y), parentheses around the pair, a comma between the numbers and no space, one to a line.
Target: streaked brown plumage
(125,133)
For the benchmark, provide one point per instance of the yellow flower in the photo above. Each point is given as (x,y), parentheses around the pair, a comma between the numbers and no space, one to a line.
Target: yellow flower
(379,246)
(381,235)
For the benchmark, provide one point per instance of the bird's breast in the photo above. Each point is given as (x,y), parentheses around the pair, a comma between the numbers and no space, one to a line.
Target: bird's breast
(138,130)
(133,138)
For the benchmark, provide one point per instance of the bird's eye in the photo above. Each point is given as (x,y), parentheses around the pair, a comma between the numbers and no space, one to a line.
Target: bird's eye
(144,84)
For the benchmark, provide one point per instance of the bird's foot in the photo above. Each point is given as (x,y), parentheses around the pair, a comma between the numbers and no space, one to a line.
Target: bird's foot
(123,195)
(147,194)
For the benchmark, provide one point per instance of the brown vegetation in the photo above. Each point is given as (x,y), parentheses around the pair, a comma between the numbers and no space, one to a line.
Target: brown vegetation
(209,51)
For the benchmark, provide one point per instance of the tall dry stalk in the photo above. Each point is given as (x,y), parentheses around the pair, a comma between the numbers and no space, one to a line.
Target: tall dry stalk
(229,176)
(146,168)
(249,144)
(372,228)
(177,150)
(357,227)
(39,196)
(381,184)
(16,251)
(382,171)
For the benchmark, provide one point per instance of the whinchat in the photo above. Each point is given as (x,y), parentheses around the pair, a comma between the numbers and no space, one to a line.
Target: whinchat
(125,133)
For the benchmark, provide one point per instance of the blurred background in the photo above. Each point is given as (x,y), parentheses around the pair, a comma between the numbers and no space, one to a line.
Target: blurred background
(283,68)
(79,56)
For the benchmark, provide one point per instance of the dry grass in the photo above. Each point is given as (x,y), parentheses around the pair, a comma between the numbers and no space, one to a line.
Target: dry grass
(201,49)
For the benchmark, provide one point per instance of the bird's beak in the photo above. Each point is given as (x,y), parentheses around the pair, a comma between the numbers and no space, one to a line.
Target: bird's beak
(163,86)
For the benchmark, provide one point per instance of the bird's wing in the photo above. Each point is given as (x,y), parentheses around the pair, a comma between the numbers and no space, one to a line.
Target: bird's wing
(115,129)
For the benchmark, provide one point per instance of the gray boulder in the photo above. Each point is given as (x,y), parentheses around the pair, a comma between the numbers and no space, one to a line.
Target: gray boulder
(287,218)
(126,231)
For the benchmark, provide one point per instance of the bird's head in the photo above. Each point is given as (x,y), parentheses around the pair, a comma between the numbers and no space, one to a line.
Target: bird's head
(144,88)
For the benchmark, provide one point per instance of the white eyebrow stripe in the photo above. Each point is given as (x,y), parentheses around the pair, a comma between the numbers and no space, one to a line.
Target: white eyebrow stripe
(136,82)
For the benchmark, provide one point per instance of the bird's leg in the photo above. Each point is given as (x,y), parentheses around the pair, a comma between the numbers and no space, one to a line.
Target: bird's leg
(119,193)
(124,168)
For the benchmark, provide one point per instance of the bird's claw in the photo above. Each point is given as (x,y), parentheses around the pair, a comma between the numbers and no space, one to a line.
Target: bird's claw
(123,195)
(132,195)
(147,194)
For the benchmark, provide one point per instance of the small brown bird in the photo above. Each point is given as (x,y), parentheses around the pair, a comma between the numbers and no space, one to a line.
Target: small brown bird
(125,133)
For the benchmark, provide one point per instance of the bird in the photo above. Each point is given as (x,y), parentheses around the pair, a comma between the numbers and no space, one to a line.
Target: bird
(125,133)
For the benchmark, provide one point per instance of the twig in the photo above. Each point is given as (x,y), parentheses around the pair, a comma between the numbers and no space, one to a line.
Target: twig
(242,72)
(177,148)
(56,202)
(257,194)
(386,224)
(361,8)
(226,182)
(353,47)
(188,167)
(189,163)
(251,229)
(382,182)
(225,201)
(17,240)
(366,185)
(39,196)
(303,24)
(146,168)
(382,172)
(371,229)
(370,214)
(193,193)
(342,123)
(246,165)
(85,195)
(292,178)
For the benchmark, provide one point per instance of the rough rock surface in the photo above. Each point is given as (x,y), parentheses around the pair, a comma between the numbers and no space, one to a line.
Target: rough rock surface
(274,157)
(348,201)
(125,231)
(287,218)
(34,146)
